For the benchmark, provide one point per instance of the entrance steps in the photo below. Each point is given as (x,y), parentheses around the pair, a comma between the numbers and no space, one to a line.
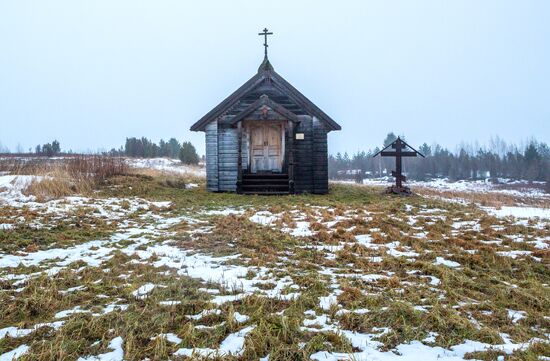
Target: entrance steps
(265,183)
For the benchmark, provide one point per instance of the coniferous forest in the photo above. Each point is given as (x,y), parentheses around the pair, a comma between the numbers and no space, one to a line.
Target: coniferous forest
(144,148)
(497,160)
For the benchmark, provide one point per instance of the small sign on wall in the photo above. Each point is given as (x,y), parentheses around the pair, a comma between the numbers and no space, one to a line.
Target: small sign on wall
(300,136)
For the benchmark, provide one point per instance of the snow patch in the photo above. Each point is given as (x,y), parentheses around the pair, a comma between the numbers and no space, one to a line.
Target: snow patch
(515,316)
(442,261)
(14,354)
(116,355)
(232,345)
(170,337)
(143,291)
(264,218)
(519,212)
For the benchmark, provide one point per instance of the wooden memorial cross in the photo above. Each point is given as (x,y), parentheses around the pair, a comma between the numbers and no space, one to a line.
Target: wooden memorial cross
(265,33)
(401,150)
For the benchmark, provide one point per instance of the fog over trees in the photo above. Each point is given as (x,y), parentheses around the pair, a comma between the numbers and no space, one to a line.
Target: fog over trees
(144,148)
(469,161)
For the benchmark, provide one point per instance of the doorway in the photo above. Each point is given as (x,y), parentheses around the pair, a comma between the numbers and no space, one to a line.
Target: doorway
(266,147)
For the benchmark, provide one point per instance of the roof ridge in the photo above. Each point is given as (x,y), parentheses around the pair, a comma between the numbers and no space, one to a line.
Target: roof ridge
(268,74)
(265,65)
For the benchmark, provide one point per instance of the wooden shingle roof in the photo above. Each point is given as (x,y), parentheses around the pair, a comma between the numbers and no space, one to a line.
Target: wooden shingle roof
(265,82)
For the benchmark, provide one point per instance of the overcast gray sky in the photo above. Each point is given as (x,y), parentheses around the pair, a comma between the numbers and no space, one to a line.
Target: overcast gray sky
(90,73)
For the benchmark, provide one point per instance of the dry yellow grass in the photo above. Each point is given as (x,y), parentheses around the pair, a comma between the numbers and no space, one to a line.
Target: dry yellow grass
(190,171)
(62,177)
(56,184)
(408,296)
(489,199)
(168,178)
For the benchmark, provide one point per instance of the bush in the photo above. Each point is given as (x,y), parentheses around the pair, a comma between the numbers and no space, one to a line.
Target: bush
(96,167)
(66,176)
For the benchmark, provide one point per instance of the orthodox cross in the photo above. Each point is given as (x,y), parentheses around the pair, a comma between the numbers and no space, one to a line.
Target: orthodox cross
(400,147)
(265,33)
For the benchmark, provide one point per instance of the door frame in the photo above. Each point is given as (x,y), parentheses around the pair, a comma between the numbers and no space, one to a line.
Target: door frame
(248,124)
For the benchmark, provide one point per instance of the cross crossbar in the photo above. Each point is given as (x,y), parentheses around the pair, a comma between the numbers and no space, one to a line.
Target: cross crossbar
(265,33)
(400,151)
(395,154)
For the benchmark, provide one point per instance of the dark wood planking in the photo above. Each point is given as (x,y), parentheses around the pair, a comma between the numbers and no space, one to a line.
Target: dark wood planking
(227,148)
(211,135)
(266,79)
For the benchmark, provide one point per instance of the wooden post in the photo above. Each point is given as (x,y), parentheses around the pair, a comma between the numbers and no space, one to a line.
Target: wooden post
(240,157)
(400,147)
(291,157)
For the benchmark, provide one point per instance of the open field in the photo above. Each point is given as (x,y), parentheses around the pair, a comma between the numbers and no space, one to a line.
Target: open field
(145,264)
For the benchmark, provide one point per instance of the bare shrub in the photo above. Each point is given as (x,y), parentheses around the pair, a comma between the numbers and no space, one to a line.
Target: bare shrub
(97,167)
(65,176)
(55,185)
(30,166)
(488,199)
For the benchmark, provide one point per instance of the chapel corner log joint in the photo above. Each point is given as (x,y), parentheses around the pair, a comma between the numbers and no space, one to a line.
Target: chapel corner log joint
(266,138)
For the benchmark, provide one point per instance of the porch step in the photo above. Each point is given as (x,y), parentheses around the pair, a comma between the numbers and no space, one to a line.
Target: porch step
(266,193)
(270,183)
(274,186)
(265,176)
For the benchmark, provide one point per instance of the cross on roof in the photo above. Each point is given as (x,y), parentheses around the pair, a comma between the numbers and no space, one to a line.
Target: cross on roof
(265,33)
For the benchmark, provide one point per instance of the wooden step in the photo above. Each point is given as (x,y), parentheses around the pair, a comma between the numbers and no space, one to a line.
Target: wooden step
(266,176)
(247,186)
(265,193)
(265,183)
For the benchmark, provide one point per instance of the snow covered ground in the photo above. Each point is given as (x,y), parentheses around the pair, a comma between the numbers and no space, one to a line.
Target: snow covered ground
(520,212)
(346,281)
(167,165)
(525,200)
(12,187)
(509,187)
(220,270)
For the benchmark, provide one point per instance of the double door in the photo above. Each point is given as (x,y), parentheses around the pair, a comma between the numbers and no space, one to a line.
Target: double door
(266,147)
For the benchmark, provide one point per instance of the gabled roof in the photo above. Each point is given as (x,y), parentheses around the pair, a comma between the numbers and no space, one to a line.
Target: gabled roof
(268,104)
(280,92)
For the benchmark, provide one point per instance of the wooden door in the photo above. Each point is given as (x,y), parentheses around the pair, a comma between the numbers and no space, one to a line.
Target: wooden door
(272,135)
(257,158)
(265,148)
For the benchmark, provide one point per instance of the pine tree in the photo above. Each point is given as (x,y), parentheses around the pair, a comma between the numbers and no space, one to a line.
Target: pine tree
(129,147)
(389,139)
(48,149)
(188,154)
(174,148)
(425,149)
(163,149)
(56,147)
(532,160)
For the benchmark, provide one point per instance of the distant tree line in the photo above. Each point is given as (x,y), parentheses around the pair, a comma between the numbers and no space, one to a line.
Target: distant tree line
(145,148)
(134,147)
(499,160)
(48,149)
